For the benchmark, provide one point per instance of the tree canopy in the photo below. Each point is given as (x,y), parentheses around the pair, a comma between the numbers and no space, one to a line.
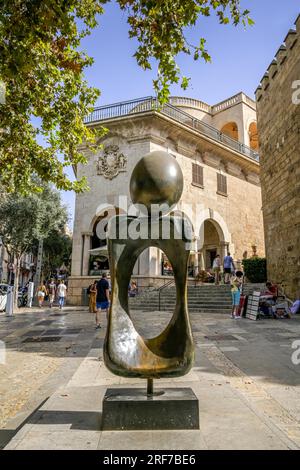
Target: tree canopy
(42,74)
(24,220)
(57,250)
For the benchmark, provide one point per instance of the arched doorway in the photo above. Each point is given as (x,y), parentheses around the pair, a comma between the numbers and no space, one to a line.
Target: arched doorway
(231,129)
(253,136)
(98,255)
(212,235)
(213,243)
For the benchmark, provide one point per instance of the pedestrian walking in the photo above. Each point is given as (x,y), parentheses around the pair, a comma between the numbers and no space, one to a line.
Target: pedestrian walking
(236,284)
(217,268)
(102,299)
(61,293)
(52,292)
(41,294)
(92,291)
(228,264)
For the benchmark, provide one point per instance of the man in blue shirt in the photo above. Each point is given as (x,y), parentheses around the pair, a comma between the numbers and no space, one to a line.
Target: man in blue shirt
(102,299)
(228,264)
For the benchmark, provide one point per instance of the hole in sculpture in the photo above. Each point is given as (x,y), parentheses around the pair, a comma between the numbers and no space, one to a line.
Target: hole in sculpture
(144,307)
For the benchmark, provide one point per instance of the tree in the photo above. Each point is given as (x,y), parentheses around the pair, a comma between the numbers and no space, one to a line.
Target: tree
(42,70)
(56,251)
(23,220)
(255,269)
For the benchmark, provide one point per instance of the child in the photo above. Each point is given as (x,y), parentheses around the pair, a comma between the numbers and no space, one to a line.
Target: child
(236,283)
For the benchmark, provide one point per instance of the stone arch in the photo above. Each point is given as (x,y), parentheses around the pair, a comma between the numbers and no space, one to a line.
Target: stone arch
(96,238)
(216,219)
(253,135)
(231,130)
(220,245)
(101,209)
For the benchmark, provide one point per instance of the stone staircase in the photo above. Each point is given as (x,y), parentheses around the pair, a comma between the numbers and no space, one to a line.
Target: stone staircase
(201,299)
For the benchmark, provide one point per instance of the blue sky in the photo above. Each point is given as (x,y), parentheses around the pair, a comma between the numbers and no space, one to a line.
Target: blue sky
(240,57)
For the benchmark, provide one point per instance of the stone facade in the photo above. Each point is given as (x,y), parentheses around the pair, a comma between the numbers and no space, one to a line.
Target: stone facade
(222,222)
(7,267)
(278,105)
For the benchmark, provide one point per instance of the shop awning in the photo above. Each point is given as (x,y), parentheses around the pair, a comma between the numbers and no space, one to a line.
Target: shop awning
(102,250)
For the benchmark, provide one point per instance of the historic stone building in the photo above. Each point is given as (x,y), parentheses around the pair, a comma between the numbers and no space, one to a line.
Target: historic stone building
(217,149)
(278,106)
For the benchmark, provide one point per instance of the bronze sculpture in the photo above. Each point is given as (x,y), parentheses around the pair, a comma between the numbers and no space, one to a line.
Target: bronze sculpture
(156,179)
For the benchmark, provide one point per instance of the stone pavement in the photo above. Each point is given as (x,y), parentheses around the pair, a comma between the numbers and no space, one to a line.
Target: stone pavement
(246,382)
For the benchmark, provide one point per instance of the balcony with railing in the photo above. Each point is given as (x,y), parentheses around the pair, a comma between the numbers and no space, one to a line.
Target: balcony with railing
(151,104)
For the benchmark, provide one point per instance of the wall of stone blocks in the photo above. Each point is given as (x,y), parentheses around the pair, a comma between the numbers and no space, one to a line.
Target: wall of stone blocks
(278,106)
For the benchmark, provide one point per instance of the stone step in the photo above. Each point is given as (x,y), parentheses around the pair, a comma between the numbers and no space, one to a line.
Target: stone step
(198,311)
(191,296)
(195,304)
(190,292)
(165,302)
(190,301)
(196,297)
(205,299)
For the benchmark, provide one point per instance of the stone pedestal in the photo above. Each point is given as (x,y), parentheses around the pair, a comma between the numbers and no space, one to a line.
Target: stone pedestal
(132,409)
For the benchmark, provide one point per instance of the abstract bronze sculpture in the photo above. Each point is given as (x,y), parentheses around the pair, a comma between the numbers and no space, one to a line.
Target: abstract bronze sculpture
(156,179)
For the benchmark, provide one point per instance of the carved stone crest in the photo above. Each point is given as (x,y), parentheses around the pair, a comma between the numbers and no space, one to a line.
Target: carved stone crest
(111,162)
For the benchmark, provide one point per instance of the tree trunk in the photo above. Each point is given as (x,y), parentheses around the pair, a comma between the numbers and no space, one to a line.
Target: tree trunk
(16,283)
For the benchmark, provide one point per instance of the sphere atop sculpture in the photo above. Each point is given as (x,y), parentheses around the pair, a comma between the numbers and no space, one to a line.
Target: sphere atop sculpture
(156,179)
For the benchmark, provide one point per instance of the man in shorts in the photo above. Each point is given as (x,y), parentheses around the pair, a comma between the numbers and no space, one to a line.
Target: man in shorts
(228,264)
(102,299)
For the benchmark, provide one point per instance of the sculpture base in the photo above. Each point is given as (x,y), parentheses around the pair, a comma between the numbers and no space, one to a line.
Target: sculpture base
(132,409)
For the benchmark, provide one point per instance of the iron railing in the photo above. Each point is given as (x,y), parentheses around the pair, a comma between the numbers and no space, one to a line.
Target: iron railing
(160,289)
(150,104)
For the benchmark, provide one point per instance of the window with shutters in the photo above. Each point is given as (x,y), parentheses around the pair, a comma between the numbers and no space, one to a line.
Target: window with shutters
(221,184)
(197,175)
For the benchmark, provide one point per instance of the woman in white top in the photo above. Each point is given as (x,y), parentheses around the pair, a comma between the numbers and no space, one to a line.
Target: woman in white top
(217,268)
(61,293)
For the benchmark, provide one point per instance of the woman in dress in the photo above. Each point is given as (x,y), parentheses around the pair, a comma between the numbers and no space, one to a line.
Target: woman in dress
(92,299)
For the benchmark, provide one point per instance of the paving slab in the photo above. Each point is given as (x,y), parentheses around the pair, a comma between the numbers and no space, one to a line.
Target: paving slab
(248,388)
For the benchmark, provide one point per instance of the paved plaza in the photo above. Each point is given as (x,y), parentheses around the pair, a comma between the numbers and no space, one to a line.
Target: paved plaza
(54,380)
